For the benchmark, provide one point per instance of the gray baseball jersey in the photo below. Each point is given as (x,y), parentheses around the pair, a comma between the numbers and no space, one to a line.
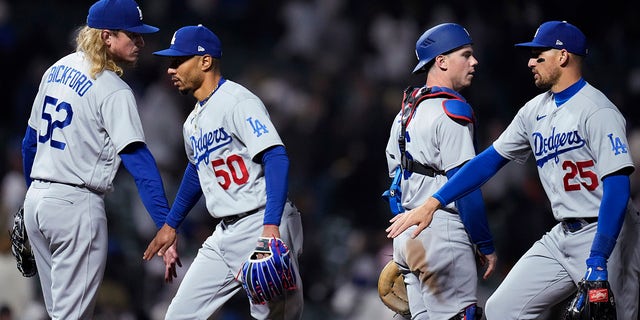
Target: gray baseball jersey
(443,253)
(222,138)
(81,125)
(80,130)
(574,145)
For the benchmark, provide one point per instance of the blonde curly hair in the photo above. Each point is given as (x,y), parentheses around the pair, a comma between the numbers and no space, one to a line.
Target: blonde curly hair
(89,41)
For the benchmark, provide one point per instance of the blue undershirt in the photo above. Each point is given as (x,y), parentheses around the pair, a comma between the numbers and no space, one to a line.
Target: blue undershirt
(29,147)
(188,195)
(139,161)
(473,215)
(566,94)
(276,175)
(616,191)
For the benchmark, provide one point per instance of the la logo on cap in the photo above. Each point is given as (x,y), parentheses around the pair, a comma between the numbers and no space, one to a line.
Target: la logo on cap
(173,39)
(139,12)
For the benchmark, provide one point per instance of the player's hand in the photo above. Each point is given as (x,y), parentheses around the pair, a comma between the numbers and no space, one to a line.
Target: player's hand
(488,261)
(420,216)
(171,262)
(165,237)
(268,231)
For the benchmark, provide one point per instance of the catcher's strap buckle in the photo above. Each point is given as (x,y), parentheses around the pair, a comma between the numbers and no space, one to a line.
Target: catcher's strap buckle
(576,224)
(394,195)
(417,167)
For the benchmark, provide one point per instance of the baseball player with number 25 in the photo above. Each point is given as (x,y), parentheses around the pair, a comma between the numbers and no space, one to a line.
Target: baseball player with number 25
(83,124)
(578,139)
(238,161)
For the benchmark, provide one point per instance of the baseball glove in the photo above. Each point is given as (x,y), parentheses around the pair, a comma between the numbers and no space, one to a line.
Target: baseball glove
(268,275)
(392,290)
(594,300)
(20,247)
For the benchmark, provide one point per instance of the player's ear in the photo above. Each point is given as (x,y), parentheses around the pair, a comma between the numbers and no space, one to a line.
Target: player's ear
(105,35)
(441,61)
(206,62)
(563,57)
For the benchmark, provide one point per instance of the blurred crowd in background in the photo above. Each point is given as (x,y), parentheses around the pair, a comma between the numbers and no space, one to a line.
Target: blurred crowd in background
(331,73)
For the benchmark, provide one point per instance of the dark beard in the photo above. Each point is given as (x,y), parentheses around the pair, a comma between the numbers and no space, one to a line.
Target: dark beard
(543,85)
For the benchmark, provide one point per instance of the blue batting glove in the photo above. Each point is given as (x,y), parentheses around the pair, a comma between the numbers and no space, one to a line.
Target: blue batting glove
(596,269)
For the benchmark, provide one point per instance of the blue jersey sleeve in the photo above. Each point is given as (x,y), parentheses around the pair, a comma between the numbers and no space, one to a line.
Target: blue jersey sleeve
(473,215)
(471,176)
(139,161)
(188,195)
(29,147)
(616,190)
(276,174)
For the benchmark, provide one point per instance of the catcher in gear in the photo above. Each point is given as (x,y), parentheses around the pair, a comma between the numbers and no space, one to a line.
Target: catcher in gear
(20,246)
(431,137)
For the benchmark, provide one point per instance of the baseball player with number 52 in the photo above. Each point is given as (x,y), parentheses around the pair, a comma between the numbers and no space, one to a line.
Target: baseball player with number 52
(238,162)
(84,123)
(577,137)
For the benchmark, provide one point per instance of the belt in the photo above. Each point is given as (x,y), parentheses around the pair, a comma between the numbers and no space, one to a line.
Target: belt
(575,224)
(71,185)
(229,220)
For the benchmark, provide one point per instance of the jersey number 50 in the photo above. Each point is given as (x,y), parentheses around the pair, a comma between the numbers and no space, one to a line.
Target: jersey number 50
(53,124)
(579,169)
(233,169)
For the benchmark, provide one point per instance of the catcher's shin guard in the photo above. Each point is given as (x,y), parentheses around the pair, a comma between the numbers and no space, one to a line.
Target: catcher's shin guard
(472,312)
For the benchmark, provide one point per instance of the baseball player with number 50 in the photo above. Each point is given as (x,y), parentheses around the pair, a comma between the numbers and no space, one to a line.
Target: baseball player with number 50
(578,139)
(238,161)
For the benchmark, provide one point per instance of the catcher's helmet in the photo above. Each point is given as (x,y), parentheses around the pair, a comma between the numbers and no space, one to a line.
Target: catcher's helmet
(438,40)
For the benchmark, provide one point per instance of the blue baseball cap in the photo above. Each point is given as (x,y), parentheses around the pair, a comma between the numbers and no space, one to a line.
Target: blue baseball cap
(118,15)
(559,35)
(193,41)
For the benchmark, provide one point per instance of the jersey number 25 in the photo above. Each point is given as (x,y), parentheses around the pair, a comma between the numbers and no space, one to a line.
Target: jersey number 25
(588,178)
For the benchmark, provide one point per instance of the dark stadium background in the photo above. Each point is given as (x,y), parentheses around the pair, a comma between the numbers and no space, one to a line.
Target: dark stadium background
(331,74)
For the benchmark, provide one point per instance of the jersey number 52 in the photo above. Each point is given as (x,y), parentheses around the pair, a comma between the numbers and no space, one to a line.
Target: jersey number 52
(53,124)
(230,170)
(579,169)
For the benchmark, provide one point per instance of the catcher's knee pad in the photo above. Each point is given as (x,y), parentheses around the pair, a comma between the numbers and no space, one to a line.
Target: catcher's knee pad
(472,312)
